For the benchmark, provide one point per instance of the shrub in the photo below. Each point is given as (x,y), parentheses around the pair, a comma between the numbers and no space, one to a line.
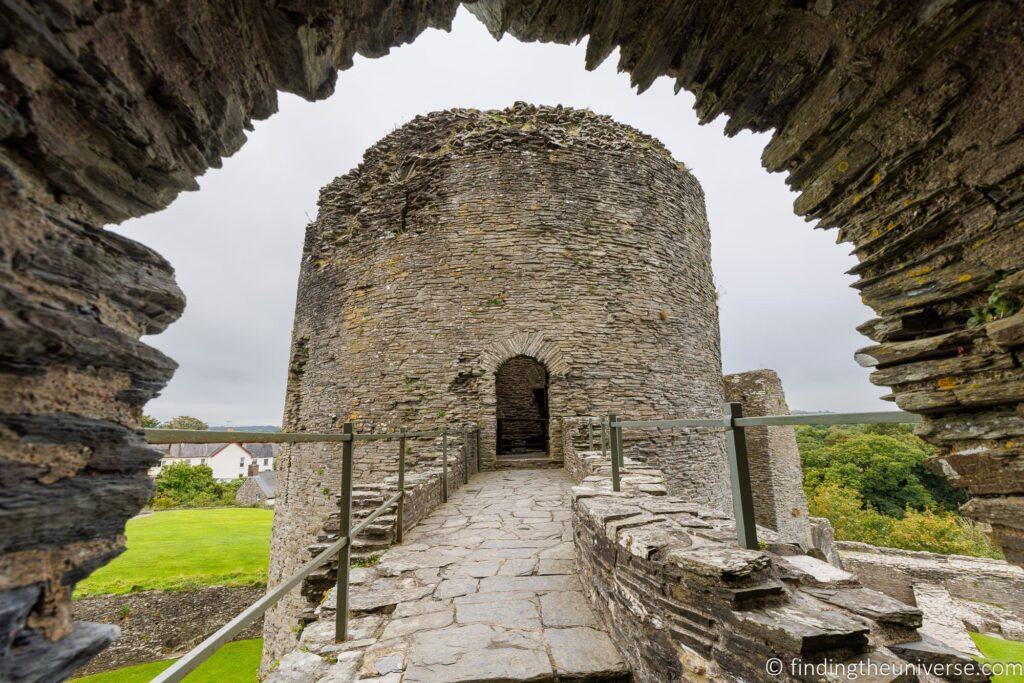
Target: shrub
(850,519)
(940,533)
(182,485)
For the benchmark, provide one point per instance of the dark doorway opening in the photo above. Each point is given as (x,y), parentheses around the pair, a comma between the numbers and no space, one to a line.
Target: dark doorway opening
(521,385)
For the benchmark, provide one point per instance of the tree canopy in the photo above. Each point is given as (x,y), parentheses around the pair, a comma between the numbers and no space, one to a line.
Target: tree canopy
(185,422)
(882,463)
(871,482)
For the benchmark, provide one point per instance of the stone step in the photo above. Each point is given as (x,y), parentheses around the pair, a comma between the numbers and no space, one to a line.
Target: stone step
(528,464)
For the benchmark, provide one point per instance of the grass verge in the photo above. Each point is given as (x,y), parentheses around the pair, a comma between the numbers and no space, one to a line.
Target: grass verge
(237,662)
(997,649)
(186,549)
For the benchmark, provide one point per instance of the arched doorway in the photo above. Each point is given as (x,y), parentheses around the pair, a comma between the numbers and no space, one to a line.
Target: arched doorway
(521,390)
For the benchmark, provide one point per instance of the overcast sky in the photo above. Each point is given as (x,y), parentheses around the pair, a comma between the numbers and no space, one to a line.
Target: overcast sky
(785,301)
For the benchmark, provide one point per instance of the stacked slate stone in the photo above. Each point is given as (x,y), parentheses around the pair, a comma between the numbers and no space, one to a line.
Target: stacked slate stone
(685,602)
(466,240)
(898,123)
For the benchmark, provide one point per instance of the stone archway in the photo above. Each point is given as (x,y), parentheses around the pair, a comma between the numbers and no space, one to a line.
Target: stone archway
(898,123)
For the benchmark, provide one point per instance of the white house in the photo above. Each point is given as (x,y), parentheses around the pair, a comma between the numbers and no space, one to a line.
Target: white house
(227,460)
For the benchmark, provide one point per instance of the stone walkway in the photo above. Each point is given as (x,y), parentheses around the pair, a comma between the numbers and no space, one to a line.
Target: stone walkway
(484,589)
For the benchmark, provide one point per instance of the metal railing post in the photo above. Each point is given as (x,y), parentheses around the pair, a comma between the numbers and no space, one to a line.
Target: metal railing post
(739,477)
(400,517)
(465,455)
(444,466)
(604,439)
(619,447)
(344,529)
(615,444)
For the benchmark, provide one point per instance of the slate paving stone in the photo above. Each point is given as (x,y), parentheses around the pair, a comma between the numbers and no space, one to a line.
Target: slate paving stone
(578,652)
(450,588)
(397,628)
(556,567)
(485,589)
(523,567)
(513,614)
(567,609)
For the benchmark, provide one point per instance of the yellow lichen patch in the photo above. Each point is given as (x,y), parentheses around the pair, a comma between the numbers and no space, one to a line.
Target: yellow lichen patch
(875,232)
(966,277)
(946,383)
(920,270)
(856,199)
(877,178)
(843,167)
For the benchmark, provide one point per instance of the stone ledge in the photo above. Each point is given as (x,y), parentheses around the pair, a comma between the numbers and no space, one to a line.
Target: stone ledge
(683,600)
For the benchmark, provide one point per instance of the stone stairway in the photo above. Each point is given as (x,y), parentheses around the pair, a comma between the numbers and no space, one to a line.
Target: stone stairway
(367,546)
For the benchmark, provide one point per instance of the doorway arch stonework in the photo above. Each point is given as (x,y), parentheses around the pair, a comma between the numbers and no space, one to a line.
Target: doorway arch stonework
(898,124)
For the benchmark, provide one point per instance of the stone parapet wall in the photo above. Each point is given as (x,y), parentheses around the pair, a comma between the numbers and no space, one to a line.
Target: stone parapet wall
(684,602)
(158,625)
(895,572)
(574,445)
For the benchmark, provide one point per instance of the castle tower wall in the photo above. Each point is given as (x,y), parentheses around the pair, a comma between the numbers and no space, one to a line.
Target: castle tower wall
(468,238)
(776,476)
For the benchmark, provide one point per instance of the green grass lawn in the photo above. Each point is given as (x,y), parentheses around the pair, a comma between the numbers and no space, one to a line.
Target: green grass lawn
(183,549)
(999,650)
(237,662)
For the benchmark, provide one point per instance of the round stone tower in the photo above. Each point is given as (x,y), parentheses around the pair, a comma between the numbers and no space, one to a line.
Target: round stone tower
(509,269)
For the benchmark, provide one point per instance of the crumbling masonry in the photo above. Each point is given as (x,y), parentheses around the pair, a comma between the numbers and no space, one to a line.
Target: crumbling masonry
(546,244)
(898,123)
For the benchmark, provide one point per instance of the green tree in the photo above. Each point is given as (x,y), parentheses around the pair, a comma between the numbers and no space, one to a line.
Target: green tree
(150,422)
(885,470)
(851,521)
(186,422)
(940,532)
(937,532)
